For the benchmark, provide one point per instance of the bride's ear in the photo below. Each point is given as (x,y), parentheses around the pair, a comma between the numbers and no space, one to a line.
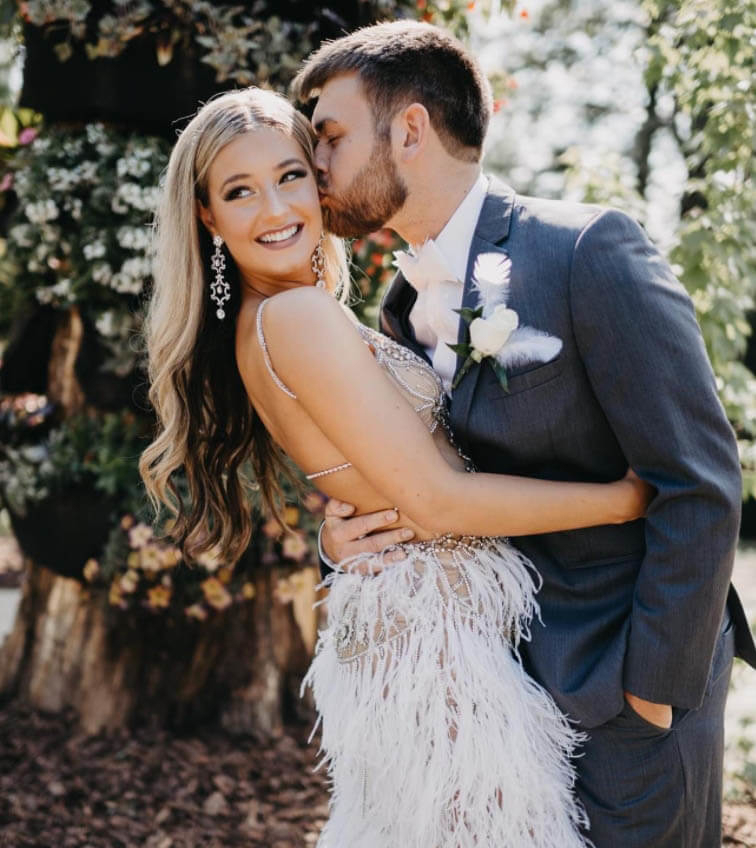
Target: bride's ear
(206,216)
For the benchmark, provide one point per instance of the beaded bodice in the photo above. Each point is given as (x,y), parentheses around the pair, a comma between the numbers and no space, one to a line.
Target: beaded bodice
(411,374)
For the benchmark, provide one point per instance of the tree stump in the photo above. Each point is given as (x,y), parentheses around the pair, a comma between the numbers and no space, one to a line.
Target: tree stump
(240,668)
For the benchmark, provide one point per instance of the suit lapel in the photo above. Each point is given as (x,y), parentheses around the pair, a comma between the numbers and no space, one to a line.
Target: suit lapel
(394,315)
(492,229)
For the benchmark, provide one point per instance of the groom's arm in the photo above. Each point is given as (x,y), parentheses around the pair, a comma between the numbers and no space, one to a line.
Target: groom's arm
(644,355)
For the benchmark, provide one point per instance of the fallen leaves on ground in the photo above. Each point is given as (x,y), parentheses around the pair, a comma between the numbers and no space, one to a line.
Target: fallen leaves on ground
(152,789)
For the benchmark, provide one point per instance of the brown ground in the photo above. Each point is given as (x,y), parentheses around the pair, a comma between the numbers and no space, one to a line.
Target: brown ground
(151,789)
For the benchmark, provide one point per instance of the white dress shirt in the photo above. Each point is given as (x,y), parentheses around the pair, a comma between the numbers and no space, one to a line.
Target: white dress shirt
(432,316)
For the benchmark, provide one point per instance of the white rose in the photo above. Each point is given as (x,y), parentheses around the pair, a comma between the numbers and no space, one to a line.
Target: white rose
(489,335)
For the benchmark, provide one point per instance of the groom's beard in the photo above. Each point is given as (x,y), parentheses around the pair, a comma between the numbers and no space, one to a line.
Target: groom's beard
(373,197)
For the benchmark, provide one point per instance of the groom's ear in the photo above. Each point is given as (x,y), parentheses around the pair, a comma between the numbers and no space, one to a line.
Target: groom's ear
(412,129)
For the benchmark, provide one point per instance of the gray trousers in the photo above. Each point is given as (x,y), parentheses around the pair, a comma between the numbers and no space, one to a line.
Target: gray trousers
(646,787)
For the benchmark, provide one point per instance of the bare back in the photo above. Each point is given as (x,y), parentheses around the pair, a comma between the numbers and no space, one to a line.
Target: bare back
(293,429)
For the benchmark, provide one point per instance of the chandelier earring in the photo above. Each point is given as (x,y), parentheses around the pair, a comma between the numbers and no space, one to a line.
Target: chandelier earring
(220,290)
(318,264)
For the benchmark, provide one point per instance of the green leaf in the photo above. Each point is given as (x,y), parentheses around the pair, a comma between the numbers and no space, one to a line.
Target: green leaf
(468,314)
(463,349)
(466,366)
(501,373)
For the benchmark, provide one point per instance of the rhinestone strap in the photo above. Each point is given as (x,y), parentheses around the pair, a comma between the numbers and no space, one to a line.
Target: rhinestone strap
(266,356)
(333,470)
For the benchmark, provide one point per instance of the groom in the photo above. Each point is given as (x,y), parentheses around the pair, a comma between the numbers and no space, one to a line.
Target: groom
(640,621)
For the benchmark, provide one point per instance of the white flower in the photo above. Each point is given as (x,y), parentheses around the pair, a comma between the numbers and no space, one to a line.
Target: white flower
(489,335)
(102,273)
(44,210)
(21,234)
(94,250)
(104,323)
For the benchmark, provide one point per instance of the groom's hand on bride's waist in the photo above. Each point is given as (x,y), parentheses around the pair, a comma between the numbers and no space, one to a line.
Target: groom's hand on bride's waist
(653,713)
(343,536)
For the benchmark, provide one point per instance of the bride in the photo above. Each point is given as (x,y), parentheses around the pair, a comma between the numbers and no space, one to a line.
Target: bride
(433,734)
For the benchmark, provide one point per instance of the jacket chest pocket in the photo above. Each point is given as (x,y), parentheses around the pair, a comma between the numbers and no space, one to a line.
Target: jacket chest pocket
(522,380)
(512,429)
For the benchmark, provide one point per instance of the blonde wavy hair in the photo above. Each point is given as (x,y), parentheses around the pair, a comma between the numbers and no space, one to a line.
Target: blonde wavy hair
(207,427)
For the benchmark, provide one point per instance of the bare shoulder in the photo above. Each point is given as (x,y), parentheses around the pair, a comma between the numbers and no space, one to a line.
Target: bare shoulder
(305,306)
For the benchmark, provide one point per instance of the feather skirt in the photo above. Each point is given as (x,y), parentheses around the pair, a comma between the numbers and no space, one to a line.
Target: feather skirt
(433,734)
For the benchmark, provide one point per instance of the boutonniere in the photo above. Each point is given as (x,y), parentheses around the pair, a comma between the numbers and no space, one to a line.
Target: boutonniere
(494,333)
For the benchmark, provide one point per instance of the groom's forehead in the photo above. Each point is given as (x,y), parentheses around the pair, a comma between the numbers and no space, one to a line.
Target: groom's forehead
(341,97)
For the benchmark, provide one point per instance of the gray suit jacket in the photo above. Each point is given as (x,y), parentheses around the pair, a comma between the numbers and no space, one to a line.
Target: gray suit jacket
(637,606)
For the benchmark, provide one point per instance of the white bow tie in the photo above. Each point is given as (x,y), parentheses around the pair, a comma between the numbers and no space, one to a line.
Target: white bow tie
(438,293)
(424,267)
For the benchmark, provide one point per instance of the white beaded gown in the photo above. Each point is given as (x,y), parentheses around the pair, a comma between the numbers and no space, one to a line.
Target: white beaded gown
(433,734)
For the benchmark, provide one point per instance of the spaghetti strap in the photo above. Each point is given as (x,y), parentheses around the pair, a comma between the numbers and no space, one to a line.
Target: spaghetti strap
(266,356)
(284,388)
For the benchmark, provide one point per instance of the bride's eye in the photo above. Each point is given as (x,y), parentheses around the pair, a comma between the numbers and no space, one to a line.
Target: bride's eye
(295,174)
(238,191)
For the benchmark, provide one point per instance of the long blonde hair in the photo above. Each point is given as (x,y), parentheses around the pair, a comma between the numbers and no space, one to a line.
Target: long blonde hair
(207,427)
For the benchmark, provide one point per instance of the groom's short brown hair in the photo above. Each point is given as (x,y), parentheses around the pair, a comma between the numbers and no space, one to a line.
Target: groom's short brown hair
(404,62)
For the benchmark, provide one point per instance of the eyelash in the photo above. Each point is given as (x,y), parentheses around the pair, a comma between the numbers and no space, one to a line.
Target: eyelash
(297,173)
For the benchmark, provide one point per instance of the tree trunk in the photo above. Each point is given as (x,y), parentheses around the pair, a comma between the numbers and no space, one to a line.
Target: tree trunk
(69,650)
(242,667)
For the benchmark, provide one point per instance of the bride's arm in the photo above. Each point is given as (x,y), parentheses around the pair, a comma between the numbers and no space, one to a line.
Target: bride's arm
(321,358)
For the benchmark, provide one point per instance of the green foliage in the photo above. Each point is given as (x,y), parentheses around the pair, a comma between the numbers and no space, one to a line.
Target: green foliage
(702,52)
(700,60)
(81,231)
(100,451)
(243,43)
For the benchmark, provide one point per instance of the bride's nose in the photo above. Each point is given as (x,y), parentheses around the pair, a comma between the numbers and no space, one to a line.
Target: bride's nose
(276,206)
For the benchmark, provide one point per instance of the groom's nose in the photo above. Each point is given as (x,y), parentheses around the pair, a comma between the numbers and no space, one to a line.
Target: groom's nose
(321,162)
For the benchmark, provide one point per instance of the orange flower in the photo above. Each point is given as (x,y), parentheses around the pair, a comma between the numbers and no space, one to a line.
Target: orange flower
(524,14)
(216,593)
(151,559)
(313,502)
(91,570)
(139,535)
(127,522)
(196,611)
(209,560)
(129,582)
(291,516)
(170,556)
(248,591)
(272,529)
(295,547)
(159,597)
(115,597)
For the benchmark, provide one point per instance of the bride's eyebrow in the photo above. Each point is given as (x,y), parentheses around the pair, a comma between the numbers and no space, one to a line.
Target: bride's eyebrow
(286,162)
(232,178)
(280,166)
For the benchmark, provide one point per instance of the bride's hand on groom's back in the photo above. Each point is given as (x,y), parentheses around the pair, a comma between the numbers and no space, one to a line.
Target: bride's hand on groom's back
(344,536)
